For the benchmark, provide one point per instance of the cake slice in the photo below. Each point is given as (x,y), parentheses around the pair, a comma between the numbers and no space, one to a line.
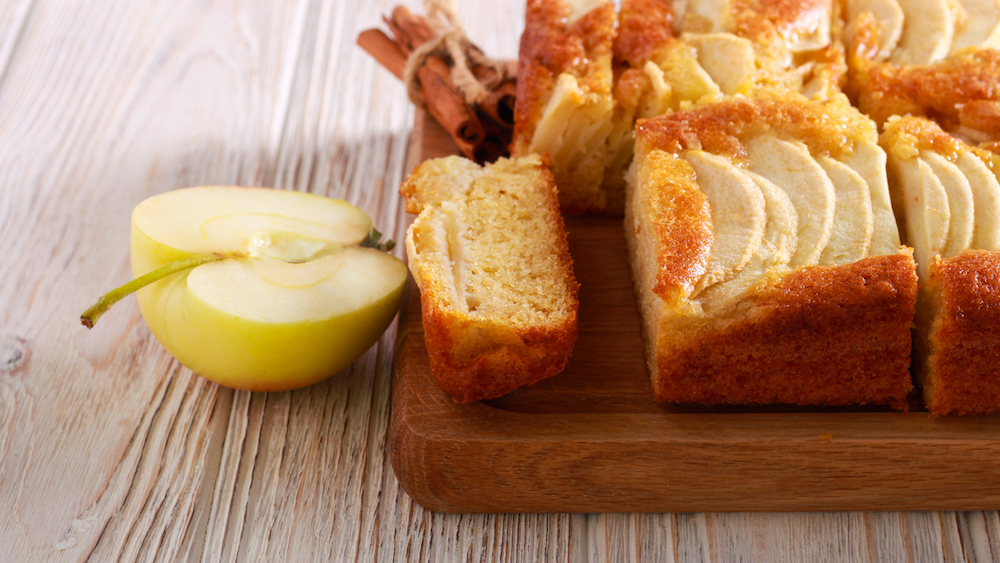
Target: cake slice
(820,313)
(488,252)
(947,193)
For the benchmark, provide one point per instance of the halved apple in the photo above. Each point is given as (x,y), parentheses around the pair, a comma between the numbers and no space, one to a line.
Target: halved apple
(288,295)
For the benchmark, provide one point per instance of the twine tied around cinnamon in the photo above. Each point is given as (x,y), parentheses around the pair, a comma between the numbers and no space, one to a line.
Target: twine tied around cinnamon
(452,44)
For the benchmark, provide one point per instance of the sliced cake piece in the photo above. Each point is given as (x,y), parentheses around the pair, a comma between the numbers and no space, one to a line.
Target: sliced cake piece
(958,309)
(789,327)
(564,105)
(489,254)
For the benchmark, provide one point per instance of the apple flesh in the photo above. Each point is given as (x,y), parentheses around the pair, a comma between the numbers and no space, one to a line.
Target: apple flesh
(293,299)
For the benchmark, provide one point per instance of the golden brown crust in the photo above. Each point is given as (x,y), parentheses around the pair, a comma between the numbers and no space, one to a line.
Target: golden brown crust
(906,136)
(645,29)
(821,336)
(961,373)
(680,221)
(826,128)
(490,369)
(940,91)
(777,20)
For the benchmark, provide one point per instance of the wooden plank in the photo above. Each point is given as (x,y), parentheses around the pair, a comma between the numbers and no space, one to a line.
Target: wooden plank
(593,440)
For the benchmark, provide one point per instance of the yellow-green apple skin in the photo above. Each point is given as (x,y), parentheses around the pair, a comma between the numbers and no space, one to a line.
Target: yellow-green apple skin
(263,324)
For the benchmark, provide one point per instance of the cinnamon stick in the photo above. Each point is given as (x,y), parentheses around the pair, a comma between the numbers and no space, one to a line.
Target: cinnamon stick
(448,106)
(412,30)
(377,44)
(482,130)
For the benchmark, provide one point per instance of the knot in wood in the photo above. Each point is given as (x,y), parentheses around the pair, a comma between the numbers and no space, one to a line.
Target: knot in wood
(13,352)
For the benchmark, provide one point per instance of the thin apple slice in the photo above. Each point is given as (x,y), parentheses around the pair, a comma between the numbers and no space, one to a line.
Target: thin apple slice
(960,202)
(728,59)
(888,17)
(776,248)
(853,223)
(869,161)
(678,78)
(985,200)
(981,26)
(925,209)
(928,31)
(781,237)
(790,166)
(573,129)
(738,215)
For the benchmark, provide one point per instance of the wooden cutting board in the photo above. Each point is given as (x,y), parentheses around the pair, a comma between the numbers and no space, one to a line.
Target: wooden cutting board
(593,440)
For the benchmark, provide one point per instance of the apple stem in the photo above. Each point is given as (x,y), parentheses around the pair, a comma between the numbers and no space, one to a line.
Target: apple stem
(90,316)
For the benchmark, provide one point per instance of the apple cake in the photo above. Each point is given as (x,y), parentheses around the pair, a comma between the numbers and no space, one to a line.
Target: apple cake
(947,195)
(488,252)
(766,257)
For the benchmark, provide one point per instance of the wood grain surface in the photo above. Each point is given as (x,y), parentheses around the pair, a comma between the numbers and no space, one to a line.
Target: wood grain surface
(112,451)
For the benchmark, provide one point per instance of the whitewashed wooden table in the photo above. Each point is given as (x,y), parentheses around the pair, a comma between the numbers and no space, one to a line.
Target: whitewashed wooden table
(110,450)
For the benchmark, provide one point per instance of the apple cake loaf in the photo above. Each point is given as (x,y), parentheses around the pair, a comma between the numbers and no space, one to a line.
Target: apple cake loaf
(947,195)
(488,252)
(766,258)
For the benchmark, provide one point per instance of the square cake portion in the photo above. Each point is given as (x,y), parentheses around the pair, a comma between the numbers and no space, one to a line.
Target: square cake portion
(947,195)
(766,258)
(564,103)
(497,291)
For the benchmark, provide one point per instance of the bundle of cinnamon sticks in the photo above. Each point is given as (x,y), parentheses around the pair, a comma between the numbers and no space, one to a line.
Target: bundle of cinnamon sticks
(482,128)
